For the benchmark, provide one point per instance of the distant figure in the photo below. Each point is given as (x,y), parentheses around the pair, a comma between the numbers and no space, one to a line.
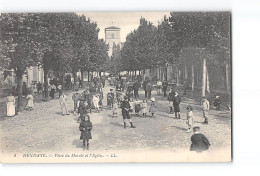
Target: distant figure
(159,87)
(144,107)
(30,101)
(63,103)
(80,82)
(189,120)
(52,92)
(10,105)
(176,105)
(136,88)
(75,98)
(137,104)
(217,102)
(96,102)
(59,88)
(199,142)
(170,99)
(39,87)
(152,109)
(164,85)
(149,89)
(205,109)
(115,107)
(144,87)
(85,127)
(110,99)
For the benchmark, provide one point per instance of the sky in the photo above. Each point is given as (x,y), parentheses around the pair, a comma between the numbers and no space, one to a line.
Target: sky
(127,21)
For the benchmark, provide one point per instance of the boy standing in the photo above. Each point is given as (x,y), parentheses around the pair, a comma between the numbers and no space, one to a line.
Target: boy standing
(199,142)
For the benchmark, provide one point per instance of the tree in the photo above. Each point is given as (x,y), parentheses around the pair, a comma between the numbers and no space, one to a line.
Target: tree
(19,35)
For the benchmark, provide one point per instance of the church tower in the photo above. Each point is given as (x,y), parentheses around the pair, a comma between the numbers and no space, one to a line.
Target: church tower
(112,36)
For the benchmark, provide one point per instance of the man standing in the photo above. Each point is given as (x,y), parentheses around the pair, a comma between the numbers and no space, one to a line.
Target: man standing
(149,89)
(144,87)
(39,87)
(136,87)
(75,98)
(125,112)
(205,109)
(164,85)
(63,104)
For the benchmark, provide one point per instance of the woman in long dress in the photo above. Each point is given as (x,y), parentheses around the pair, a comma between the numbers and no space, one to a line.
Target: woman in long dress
(10,104)
(30,101)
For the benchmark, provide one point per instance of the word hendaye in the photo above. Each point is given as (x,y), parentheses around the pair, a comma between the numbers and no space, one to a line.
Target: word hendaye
(34,155)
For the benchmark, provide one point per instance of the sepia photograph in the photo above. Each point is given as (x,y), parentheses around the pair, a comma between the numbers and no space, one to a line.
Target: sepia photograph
(116,87)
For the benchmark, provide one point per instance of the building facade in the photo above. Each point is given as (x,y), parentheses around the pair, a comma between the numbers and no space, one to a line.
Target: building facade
(112,37)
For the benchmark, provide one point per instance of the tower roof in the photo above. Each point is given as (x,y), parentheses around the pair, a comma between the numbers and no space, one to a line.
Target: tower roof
(112,27)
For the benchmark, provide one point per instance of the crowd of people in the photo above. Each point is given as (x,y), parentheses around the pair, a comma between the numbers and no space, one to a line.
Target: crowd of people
(125,97)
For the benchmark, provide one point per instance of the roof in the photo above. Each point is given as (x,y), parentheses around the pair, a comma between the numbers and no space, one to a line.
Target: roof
(112,27)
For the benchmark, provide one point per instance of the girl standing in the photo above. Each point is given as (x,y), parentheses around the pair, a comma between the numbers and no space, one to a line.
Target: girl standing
(85,127)
(10,105)
(30,101)
(152,107)
(189,120)
(144,107)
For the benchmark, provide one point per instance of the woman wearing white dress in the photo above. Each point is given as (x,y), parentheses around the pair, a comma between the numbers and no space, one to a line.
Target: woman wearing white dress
(10,105)
(30,101)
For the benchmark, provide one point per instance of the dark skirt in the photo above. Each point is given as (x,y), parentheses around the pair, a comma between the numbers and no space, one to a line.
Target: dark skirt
(85,135)
(125,115)
(176,108)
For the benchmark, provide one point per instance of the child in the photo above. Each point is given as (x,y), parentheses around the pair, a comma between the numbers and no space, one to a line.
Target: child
(30,101)
(75,98)
(189,118)
(85,127)
(170,99)
(95,102)
(115,107)
(199,142)
(131,110)
(144,107)
(110,99)
(125,112)
(137,107)
(152,107)
(205,109)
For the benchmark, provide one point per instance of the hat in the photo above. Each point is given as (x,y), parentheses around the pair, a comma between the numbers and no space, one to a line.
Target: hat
(76,89)
(189,107)
(196,128)
(125,97)
(111,89)
(153,99)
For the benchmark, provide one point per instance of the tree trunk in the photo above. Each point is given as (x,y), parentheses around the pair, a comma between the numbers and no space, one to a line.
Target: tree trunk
(192,77)
(185,73)
(177,77)
(45,77)
(227,78)
(203,85)
(88,75)
(19,88)
(81,76)
(75,79)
